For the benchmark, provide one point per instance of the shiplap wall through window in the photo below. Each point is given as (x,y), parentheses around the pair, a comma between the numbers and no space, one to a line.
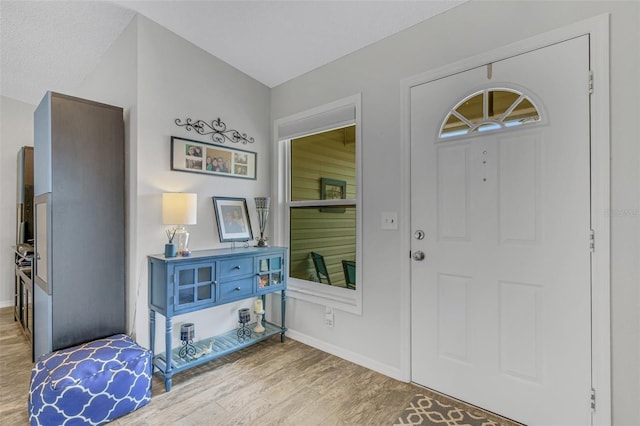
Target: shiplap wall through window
(332,234)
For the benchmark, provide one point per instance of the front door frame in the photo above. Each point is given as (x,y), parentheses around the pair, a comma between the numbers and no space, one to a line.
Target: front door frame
(598,30)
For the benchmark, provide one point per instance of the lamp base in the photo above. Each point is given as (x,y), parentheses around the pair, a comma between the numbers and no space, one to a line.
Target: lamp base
(182,240)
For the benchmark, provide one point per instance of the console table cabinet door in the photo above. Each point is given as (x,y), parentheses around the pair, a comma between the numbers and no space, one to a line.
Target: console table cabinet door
(194,286)
(270,273)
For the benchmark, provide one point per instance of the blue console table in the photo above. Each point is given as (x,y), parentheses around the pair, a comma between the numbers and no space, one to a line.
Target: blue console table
(208,278)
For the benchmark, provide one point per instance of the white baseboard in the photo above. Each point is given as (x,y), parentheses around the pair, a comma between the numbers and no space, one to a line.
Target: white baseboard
(5,303)
(363,361)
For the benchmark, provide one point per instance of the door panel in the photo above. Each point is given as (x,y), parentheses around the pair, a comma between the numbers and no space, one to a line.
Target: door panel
(453,193)
(501,304)
(518,195)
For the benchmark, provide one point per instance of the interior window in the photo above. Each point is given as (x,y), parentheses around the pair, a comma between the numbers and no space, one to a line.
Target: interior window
(489,110)
(317,197)
(323,208)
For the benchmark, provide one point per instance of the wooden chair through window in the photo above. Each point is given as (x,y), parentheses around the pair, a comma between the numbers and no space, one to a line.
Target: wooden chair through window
(349,268)
(321,267)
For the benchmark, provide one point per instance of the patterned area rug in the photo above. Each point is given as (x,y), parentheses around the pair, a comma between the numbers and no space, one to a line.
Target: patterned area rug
(426,410)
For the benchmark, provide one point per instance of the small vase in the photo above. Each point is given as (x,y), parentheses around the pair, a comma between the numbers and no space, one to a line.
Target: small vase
(170,250)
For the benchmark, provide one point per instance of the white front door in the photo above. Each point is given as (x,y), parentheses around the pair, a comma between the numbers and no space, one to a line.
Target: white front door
(501,302)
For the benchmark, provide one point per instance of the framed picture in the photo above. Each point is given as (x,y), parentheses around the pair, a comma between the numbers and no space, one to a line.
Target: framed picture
(188,155)
(332,189)
(232,218)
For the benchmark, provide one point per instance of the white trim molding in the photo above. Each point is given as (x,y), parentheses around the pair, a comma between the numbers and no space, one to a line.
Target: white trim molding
(350,356)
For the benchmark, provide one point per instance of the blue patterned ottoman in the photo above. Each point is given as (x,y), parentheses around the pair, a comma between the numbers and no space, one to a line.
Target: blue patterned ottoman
(92,383)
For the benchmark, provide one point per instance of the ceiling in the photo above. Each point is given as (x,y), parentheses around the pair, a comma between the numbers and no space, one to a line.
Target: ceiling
(54,45)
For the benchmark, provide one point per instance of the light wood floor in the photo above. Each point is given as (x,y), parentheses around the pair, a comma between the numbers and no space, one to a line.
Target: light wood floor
(269,384)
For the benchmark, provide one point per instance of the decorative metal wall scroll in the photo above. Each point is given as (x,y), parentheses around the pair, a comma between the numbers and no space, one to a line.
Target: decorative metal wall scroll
(217,129)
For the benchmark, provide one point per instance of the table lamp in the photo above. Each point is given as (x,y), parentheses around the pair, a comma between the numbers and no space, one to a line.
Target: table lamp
(179,209)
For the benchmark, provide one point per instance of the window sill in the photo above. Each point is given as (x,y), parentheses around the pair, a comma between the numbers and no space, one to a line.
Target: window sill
(323,294)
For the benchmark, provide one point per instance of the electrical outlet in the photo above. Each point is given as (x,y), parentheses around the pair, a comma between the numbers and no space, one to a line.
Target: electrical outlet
(328,316)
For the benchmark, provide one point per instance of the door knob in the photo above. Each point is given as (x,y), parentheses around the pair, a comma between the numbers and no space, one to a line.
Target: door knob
(418,255)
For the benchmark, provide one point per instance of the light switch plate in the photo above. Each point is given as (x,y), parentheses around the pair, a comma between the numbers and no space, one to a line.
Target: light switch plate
(389,221)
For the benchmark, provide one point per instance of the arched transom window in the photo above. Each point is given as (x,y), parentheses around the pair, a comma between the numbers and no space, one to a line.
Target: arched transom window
(489,110)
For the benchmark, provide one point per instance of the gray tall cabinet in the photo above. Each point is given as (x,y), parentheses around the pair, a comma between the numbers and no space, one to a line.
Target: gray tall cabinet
(79,209)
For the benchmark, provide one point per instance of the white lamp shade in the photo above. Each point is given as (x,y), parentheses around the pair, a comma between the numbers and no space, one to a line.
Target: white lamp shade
(179,208)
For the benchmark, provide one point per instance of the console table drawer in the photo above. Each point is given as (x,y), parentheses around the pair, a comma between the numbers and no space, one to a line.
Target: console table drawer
(237,289)
(235,267)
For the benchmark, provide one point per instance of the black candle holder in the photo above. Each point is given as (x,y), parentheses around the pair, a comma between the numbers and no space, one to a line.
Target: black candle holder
(244,316)
(187,334)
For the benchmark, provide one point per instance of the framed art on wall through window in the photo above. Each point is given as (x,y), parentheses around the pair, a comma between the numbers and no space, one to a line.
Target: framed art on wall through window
(332,189)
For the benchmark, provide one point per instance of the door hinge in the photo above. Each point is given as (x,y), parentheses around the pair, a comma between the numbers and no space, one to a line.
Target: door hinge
(593,399)
(590,82)
(592,241)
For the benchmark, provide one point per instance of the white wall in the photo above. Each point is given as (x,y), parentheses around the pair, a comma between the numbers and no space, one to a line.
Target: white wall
(16,131)
(158,77)
(377,71)
(178,80)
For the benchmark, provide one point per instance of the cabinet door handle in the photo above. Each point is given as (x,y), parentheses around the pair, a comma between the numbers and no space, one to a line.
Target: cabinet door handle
(237,289)
(236,267)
